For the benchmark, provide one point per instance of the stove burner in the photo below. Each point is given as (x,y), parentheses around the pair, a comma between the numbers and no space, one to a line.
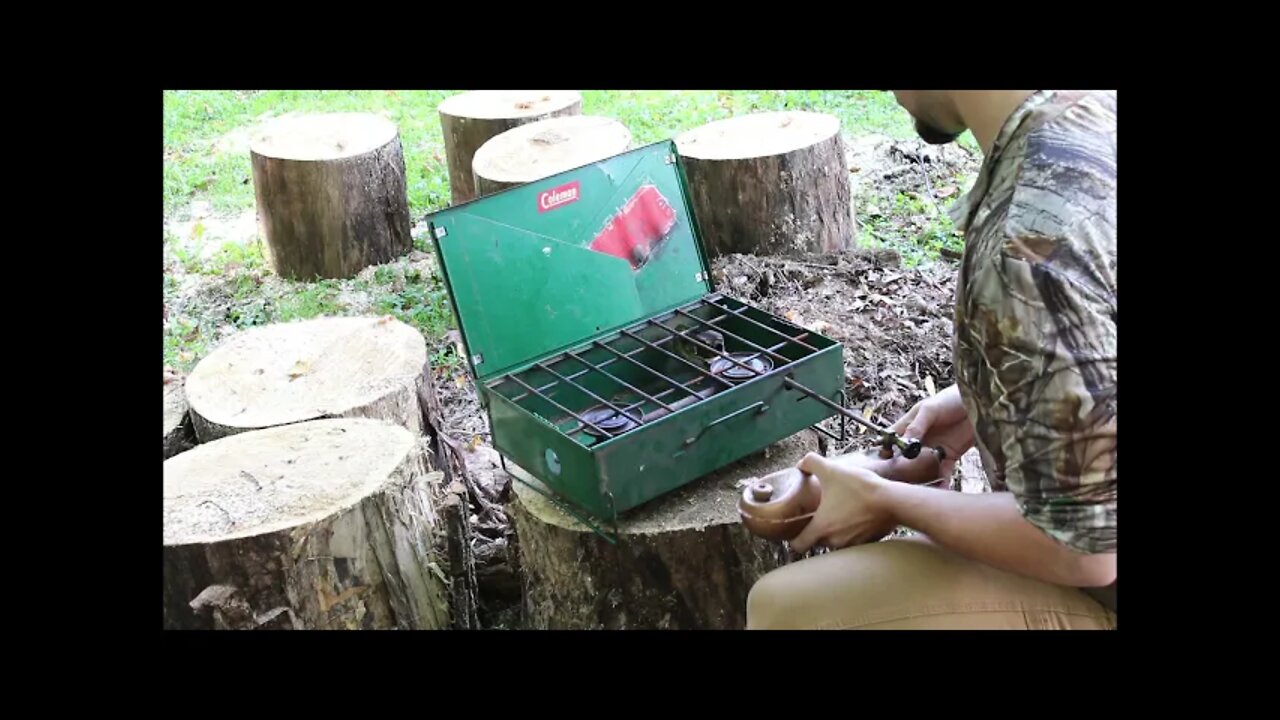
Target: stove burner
(607,419)
(736,373)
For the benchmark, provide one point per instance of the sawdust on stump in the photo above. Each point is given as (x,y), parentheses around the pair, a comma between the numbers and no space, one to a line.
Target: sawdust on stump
(329,524)
(682,561)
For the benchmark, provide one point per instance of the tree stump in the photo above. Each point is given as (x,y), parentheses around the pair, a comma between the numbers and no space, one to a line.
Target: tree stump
(331,194)
(683,561)
(771,183)
(329,524)
(546,147)
(179,436)
(470,119)
(320,368)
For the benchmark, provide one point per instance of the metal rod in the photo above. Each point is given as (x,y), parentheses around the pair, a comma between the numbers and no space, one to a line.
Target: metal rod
(740,314)
(725,314)
(675,406)
(558,405)
(657,397)
(785,360)
(626,356)
(682,403)
(620,381)
(574,376)
(688,337)
(834,406)
(638,419)
(646,368)
(633,336)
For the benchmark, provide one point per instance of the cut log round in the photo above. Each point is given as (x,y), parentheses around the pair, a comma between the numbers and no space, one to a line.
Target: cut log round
(683,561)
(330,524)
(771,183)
(470,119)
(544,148)
(331,194)
(179,436)
(298,371)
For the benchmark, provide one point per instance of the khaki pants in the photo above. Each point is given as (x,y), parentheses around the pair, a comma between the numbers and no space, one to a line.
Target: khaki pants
(911,583)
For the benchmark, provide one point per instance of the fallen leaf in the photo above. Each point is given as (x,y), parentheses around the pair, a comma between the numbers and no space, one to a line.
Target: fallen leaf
(946,191)
(928,385)
(460,381)
(867,412)
(819,326)
(197,231)
(474,443)
(300,368)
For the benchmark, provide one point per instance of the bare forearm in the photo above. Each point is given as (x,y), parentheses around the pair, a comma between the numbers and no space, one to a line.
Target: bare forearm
(989,528)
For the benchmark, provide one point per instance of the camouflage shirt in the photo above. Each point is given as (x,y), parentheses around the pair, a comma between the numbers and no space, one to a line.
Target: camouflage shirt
(1035,350)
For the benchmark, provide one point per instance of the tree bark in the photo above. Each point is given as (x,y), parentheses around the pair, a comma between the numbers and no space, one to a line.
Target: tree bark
(683,561)
(329,524)
(468,120)
(770,184)
(540,149)
(331,194)
(179,435)
(325,367)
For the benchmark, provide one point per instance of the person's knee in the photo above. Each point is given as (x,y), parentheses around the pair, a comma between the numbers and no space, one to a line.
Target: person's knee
(768,601)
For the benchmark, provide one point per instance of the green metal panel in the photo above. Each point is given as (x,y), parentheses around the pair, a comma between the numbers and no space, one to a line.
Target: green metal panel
(682,447)
(529,269)
(537,447)
(611,476)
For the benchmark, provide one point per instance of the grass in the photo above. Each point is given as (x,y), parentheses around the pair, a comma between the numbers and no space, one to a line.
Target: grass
(213,287)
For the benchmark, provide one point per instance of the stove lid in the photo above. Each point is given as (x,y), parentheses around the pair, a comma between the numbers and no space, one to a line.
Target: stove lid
(542,267)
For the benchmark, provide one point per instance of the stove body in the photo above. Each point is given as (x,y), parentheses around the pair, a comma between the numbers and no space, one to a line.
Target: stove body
(608,365)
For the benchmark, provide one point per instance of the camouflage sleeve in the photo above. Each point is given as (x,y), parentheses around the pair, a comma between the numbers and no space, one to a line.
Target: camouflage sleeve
(1048,350)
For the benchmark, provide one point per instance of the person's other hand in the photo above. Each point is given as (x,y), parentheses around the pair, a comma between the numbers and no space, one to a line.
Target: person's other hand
(938,421)
(849,513)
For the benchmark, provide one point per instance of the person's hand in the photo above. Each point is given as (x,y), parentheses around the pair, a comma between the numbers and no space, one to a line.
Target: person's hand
(937,421)
(849,513)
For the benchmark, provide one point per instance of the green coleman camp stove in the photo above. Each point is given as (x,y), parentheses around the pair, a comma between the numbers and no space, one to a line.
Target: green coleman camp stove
(609,367)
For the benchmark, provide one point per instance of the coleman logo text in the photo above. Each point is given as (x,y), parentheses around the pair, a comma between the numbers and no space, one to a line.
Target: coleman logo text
(555,197)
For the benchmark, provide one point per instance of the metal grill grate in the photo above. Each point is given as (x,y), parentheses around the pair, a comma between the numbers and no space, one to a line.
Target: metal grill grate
(614,385)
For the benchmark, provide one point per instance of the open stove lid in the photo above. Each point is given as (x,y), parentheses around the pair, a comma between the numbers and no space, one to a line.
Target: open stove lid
(543,267)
